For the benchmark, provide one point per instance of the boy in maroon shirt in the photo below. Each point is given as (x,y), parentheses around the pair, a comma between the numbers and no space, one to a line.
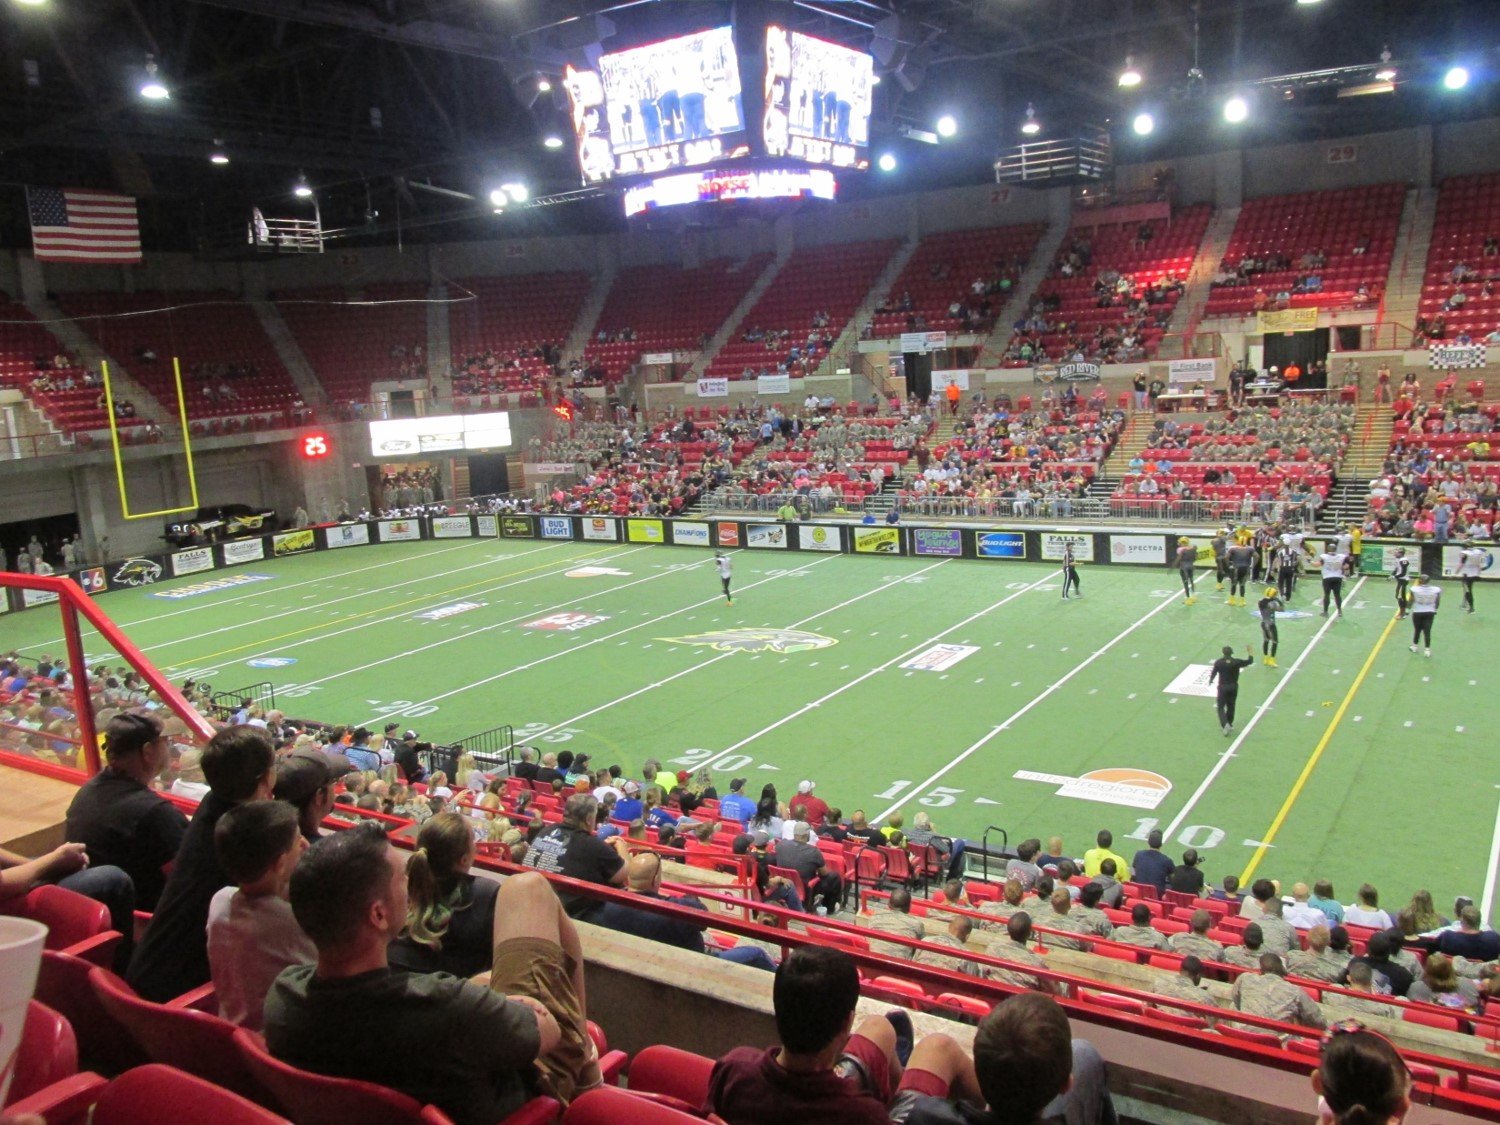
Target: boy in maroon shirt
(826,1067)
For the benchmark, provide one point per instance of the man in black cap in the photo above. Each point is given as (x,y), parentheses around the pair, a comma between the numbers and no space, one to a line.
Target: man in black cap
(305,778)
(406,757)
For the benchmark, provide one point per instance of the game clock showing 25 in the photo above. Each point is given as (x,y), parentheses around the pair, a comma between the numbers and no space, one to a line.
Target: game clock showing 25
(314,446)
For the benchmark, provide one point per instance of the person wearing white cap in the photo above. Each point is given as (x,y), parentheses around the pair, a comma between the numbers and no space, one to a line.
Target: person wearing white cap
(817,808)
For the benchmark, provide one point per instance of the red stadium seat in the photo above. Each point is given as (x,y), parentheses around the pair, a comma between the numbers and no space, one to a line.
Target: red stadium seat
(674,1072)
(146,1095)
(177,1035)
(75,923)
(63,985)
(609,1106)
(48,1052)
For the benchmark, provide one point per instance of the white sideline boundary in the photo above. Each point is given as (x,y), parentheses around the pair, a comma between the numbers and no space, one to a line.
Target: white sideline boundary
(1022,711)
(1170,831)
(723,656)
(912,651)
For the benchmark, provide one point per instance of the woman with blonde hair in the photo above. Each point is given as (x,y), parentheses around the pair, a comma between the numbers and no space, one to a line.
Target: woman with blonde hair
(1420,915)
(450,914)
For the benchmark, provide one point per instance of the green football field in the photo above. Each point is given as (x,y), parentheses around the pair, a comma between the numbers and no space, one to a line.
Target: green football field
(965,688)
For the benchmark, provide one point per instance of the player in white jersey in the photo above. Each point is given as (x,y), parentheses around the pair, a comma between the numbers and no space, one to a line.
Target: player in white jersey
(1401,575)
(1332,565)
(1471,563)
(725,566)
(1343,544)
(1424,607)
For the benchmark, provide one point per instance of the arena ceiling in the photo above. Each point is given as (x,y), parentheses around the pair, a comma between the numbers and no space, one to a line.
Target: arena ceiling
(396,110)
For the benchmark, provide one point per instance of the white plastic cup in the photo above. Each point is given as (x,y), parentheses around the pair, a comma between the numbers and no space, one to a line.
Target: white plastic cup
(21,942)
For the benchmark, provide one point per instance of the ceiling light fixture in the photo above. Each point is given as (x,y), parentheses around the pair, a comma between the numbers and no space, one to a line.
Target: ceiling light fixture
(302,190)
(552,140)
(1236,109)
(218,155)
(886,163)
(1031,126)
(544,84)
(153,88)
(1456,78)
(1130,77)
(1144,124)
(947,125)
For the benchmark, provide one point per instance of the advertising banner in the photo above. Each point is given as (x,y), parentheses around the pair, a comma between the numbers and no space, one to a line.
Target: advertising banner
(1000,544)
(1053,543)
(773,384)
(293,542)
(246,550)
(1444,356)
(713,388)
(1451,562)
(690,534)
(924,342)
(557,527)
(729,535)
(192,561)
(1373,559)
(349,535)
(399,531)
(645,531)
(1181,371)
(512,527)
(452,527)
(30,598)
(1149,550)
(92,580)
(1286,320)
(548,468)
(487,527)
(877,540)
(765,535)
(959,376)
(939,541)
(600,527)
(817,537)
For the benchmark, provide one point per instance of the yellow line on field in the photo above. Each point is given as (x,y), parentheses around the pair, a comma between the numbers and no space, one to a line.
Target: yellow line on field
(1312,762)
(491,580)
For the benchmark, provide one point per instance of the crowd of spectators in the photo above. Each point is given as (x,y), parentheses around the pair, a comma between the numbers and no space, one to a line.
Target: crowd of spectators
(788,353)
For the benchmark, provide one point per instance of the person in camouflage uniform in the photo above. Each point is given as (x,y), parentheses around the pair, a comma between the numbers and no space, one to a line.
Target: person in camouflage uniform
(1140,931)
(1196,941)
(1268,993)
(1014,947)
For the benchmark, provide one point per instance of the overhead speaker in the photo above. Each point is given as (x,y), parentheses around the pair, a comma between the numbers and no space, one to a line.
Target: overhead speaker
(893,38)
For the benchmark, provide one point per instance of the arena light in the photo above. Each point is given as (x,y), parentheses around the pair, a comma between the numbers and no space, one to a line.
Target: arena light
(153,86)
(1144,124)
(1236,109)
(1456,78)
(517,192)
(1130,77)
(947,125)
(302,190)
(217,155)
(32,3)
(887,162)
(1031,126)
(544,85)
(552,140)
(1386,71)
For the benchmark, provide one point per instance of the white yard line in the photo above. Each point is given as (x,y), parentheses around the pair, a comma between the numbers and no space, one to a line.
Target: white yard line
(724,656)
(218,602)
(411,610)
(324,603)
(1181,818)
(578,648)
(919,647)
(1488,901)
(1019,713)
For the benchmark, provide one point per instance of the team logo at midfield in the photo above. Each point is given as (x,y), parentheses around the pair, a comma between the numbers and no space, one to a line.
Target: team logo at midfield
(757,640)
(138,572)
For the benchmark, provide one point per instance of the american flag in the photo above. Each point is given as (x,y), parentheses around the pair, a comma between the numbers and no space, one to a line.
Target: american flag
(77,225)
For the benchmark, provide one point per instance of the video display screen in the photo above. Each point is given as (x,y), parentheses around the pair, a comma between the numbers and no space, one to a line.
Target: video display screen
(721,186)
(447,433)
(817,100)
(668,105)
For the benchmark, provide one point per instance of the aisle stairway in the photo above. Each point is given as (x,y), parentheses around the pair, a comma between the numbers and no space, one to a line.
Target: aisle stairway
(1349,499)
(1403,286)
(1132,440)
(1189,310)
